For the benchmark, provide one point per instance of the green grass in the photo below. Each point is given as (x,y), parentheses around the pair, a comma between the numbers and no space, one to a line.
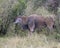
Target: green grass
(30,41)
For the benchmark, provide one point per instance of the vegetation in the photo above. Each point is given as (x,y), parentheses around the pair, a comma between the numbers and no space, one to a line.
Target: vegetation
(10,9)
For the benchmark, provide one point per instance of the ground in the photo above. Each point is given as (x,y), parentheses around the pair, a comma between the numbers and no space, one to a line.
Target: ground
(30,41)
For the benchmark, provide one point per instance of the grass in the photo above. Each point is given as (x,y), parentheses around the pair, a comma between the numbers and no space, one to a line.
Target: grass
(30,41)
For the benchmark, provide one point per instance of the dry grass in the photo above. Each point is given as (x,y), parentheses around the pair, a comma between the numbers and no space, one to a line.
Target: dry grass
(33,41)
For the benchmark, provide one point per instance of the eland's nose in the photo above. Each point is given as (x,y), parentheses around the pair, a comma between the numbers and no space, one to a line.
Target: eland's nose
(16,22)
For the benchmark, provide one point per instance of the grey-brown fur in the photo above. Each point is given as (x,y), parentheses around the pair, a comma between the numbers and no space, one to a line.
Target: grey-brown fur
(36,21)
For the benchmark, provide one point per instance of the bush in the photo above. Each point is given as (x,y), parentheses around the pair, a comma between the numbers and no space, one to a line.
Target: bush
(11,9)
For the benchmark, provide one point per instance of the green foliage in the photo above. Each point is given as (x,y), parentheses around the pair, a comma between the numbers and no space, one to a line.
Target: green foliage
(18,8)
(10,11)
(38,3)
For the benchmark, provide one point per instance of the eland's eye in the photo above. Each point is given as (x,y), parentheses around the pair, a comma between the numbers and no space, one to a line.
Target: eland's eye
(19,20)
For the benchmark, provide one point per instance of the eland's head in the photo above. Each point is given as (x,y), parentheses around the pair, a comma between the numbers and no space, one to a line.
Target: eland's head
(18,21)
